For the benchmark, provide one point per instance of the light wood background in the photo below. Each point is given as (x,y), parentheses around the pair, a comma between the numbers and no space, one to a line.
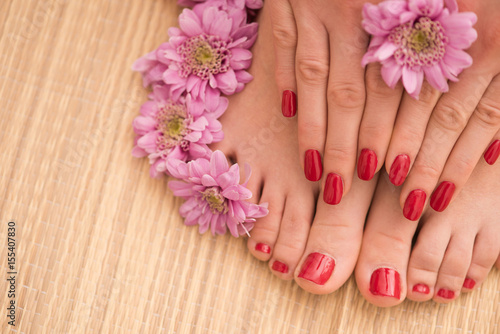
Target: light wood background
(100,246)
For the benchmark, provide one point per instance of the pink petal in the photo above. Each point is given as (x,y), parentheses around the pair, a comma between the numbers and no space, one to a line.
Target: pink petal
(190,23)
(143,125)
(208,181)
(148,141)
(391,73)
(227,82)
(218,164)
(385,51)
(435,77)
(181,188)
(412,81)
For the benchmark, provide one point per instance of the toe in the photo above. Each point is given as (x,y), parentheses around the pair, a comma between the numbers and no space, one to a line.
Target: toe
(381,268)
(265,232)
(453,270)
(484,255)
(426,258)
(334,240)
(294,229)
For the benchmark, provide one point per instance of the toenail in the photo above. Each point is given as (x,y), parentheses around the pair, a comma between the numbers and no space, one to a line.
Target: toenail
(312,165)
(442,196)
(317,268)
(385,282)
(367,164)
(421,288)
(334,189)
(446,294)
(280,266)
(492,153)
(263,248)
(289,103)
(469,283)
(399,169)
(414,204)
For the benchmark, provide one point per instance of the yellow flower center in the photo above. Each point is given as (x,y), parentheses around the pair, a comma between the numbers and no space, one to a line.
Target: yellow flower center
(215,200)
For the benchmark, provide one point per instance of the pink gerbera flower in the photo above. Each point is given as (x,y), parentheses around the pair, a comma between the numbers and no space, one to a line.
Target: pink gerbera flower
(176,128)
(209,52)
(414,38)
(215,199)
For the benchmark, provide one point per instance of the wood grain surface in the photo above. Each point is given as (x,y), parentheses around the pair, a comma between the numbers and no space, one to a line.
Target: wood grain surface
(100,245)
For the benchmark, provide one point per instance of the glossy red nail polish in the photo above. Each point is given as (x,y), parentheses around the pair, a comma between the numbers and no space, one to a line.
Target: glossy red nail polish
(317,268)
(492,153)
(263,248)
(421,288)
(334,189)
(280,266)
(367,164)
(313,167)
(414,205)
(399,169)
(446,294)
(289,103)
(442,196)
(469,283)
(385,282)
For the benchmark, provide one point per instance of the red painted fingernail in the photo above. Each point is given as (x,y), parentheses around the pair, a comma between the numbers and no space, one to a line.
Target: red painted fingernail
(334,189)
(469,283)
(280,266)
(312,165)
(399,169)
(446,294)
(367,164)
(263,248)
(317,268)
(289,103)
(414,204)
(385,282)
(492,153)
(442,196)
(421,288)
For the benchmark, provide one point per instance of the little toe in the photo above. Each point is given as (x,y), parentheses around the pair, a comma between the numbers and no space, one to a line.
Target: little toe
(381,268)
(334,240)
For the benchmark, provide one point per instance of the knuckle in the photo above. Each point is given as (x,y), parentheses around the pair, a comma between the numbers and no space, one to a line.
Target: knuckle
(310,129)
(312,70)
(284,38)
(465,164)
(347,96)
(428,94)
(427,171)
(488,112)
(375,85)
(451,119)
(339,154)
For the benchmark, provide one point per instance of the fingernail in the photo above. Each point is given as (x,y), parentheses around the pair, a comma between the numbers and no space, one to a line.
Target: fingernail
(280,266)
(289,103)
(492,153)
(317,268)
(446,294)
(385,282)
(263,248)
(334,189)
(421,288)
(442,196)
(469,283)
(367,164)
(414,204)
(312,165)
(399,169)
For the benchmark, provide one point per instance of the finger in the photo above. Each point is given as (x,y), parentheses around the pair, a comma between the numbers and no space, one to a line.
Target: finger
(448,120)
(311,68)
(482,127)
(409,130)
(382,103)
(346,101)
(285,43)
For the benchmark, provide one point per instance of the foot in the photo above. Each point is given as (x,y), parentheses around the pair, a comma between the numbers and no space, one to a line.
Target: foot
(453,252)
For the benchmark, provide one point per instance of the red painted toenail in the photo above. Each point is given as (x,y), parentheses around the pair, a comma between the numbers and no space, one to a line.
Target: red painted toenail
(312,165)
(492,153)
(263,248)
(414,204)
(469,283)
(421,288)
(317,268)
(334,189)
(442,196)
(367,164)
(446,294)
(289,103)
(385,282)
(399,169)
(280,266)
